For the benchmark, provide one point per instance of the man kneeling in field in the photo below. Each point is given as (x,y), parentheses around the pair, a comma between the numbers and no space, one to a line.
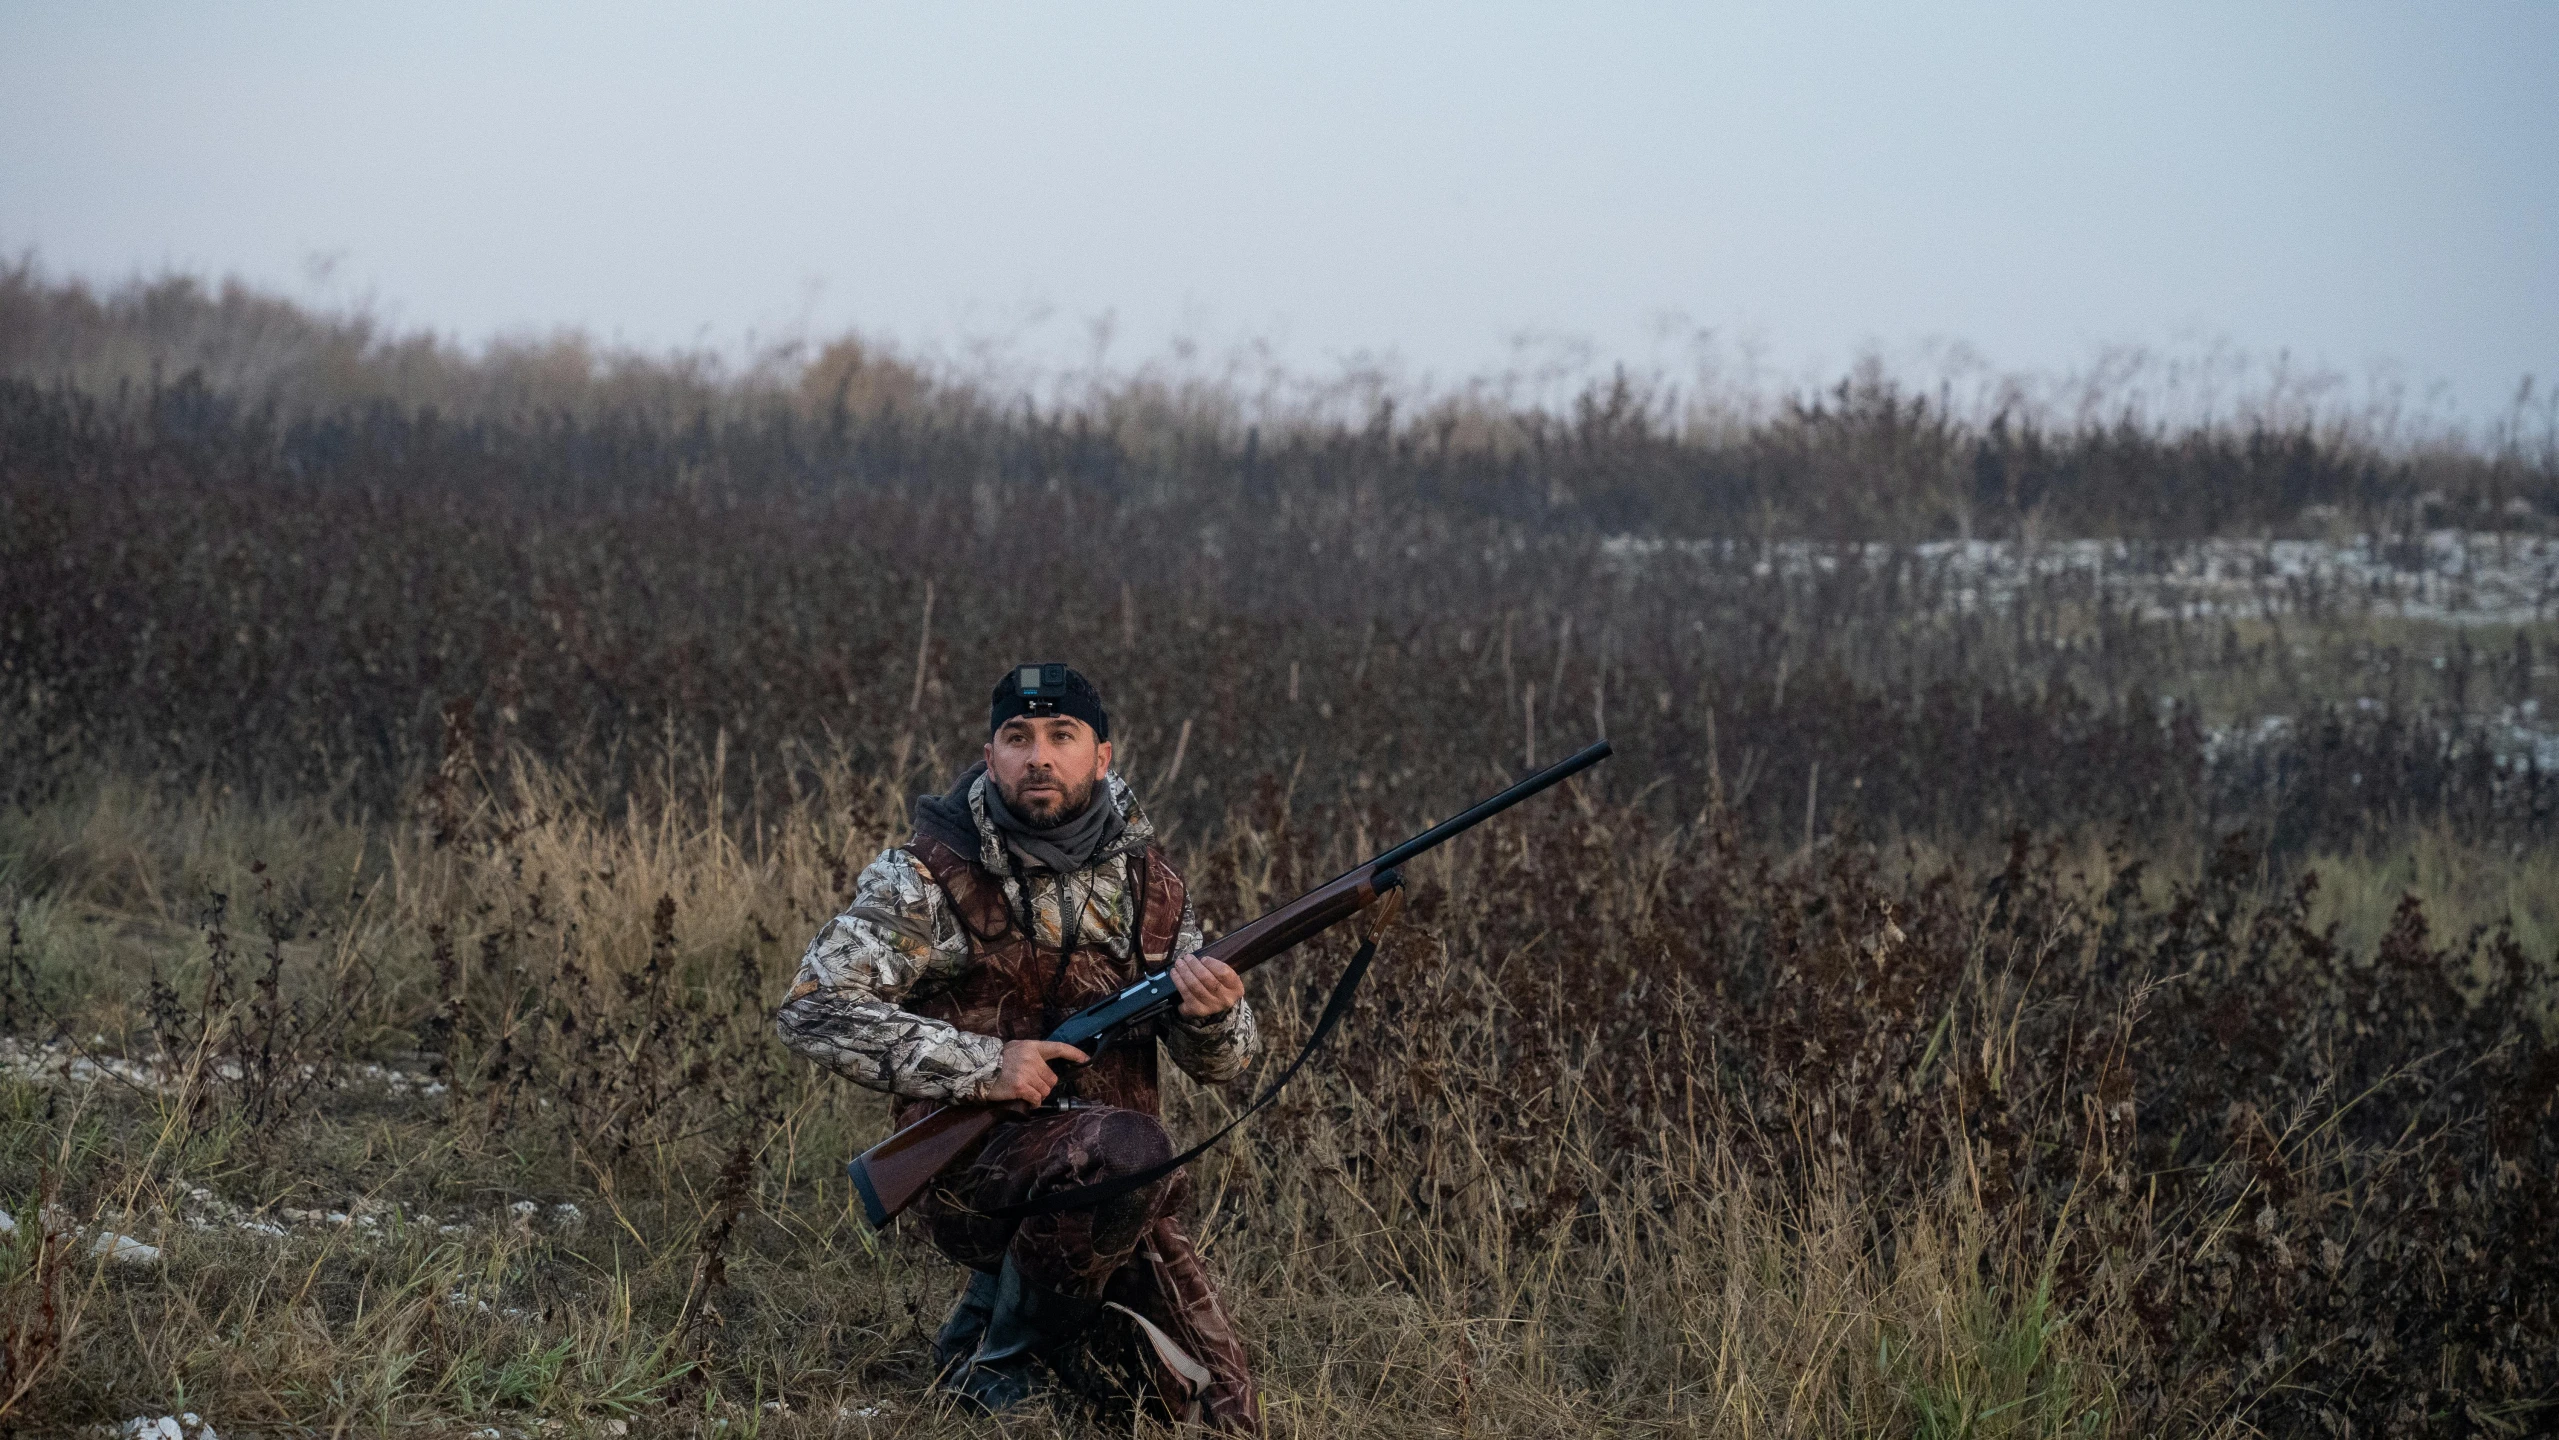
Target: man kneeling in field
(1028,890)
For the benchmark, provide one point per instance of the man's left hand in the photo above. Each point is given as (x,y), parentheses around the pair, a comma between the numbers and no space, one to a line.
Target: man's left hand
(1207,987)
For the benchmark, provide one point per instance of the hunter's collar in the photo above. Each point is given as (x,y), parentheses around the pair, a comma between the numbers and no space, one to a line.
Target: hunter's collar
(997,858)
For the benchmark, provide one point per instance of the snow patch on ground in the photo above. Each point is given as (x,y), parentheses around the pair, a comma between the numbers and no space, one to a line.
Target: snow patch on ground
(2515,737)
(362,1219)
(201,1211)
(65,1062)
(2455,577)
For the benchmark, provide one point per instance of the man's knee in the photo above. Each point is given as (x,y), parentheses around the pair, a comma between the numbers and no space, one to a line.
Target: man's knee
(1125,1142)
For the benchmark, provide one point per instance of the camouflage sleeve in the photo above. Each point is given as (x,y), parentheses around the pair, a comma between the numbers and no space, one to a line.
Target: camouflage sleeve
(843,1012)
(1215,1050)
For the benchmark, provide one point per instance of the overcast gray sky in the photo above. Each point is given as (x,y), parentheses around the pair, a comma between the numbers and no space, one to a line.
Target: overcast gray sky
(2355,184)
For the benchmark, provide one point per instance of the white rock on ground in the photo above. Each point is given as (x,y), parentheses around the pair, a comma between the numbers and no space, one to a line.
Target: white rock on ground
(188,1426)
(124,1248)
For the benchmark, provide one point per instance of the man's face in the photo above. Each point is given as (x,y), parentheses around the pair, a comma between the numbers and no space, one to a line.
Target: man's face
(1045,766)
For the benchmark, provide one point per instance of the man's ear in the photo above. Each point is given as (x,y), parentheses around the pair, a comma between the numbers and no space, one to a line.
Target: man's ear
(1102,760)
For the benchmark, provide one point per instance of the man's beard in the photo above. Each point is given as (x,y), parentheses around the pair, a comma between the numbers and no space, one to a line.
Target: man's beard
(1045,814)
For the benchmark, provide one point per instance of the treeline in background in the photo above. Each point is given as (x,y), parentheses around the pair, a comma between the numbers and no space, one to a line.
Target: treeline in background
(2066,945)
(2159,446)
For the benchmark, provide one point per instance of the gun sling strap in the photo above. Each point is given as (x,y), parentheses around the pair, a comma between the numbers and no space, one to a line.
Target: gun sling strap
(1337,1005)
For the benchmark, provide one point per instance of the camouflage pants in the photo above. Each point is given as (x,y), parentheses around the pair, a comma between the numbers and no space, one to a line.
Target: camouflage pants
(1131,1250)
(1075,1252)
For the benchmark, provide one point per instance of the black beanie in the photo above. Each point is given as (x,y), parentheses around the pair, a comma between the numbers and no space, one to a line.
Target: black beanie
(1048,689)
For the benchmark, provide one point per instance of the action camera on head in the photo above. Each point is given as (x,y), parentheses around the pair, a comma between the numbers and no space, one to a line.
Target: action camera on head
(1041,687)
(1050,687)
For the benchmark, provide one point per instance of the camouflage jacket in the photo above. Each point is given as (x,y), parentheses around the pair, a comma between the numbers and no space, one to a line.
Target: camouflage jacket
(902,939)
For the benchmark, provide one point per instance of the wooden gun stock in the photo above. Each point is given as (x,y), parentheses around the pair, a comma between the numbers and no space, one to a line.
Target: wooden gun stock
(892,1173)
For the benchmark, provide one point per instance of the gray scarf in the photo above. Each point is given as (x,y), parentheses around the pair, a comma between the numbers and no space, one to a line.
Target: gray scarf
(1068,846)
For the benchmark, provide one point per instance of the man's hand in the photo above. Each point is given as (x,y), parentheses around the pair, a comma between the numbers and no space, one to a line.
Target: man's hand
(1208,987)
(1024,1075)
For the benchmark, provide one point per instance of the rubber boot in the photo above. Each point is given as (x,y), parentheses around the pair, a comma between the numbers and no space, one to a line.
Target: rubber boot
(1028,1323)
(960,1333)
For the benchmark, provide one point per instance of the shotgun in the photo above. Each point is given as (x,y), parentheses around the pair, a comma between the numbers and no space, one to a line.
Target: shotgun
(891,1174)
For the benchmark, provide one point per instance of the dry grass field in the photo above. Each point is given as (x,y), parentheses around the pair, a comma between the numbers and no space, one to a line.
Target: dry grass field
(1997,989)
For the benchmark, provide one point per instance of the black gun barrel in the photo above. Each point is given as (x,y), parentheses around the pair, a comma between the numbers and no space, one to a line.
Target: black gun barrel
(1555,774)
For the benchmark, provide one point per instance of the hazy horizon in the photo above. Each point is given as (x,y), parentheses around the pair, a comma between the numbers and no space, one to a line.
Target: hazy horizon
(1438,193)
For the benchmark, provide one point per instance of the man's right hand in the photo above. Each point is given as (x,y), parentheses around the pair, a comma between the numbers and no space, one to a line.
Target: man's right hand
(1023,1074)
